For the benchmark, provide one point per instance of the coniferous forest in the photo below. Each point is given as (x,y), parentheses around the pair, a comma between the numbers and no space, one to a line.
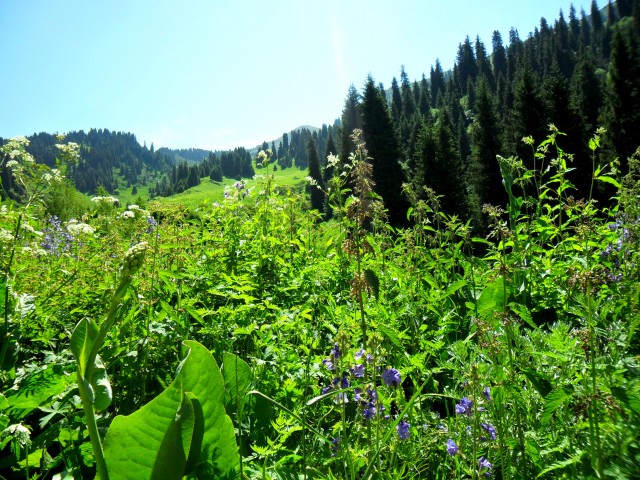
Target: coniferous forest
(454,292)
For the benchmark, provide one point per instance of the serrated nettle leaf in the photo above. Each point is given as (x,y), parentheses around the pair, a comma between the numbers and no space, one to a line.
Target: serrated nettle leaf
(554,401)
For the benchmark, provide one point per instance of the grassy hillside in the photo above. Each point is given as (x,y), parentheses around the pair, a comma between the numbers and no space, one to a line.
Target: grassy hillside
(209,191)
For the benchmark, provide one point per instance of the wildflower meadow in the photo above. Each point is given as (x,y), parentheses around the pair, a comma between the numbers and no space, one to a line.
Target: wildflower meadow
(255,338)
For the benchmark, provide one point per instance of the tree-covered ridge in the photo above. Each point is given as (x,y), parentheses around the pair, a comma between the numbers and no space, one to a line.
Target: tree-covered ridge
(103,153)
(579,75)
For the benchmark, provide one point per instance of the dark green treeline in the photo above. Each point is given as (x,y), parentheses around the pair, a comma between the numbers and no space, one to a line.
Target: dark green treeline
(444,130)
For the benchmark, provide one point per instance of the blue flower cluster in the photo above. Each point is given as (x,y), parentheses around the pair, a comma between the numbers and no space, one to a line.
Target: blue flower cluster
(484,467)
(366,398)
(620,247)
(465,407)
(151,225)
(56,241)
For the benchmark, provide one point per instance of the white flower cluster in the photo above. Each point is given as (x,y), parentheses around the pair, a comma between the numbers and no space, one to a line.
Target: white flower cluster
(134,211)
(332,160)
(5,235)
(53,175)
(76,227)
(30,229)
(107,200)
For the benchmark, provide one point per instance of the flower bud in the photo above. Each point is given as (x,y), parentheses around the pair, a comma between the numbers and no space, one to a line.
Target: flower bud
(133,259)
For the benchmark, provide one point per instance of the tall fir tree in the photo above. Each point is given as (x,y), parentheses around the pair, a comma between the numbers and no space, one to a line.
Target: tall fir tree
(396,99)
(384,149)
(498,56)
(484,66)
(527,116)
(437,83)
(622,110)
(316,188)
(484,171)
(351,119)
(408,102)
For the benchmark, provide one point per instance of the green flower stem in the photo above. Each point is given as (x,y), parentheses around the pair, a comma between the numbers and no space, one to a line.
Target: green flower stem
(94,435)
(106,325)
(87,406)
(5,329)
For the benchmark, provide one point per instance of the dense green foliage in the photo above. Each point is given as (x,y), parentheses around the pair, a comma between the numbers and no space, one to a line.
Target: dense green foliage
(349,349)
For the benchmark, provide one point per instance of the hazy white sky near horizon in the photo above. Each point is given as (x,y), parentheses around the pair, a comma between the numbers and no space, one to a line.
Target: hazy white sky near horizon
(219,74)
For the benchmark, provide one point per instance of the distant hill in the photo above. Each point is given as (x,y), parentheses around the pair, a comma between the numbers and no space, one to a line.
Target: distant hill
(189,155)
(278,141)
(108,158)
(117,161)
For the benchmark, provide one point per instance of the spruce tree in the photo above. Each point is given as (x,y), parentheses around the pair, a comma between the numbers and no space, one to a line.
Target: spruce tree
(408,102)
(383,148)
(484,66)
(622,110)
(424,103)
(527,117)
(396,100)
(586,91)
(437,83)
(498,56)
(351,119)
(316,188)
(484,171)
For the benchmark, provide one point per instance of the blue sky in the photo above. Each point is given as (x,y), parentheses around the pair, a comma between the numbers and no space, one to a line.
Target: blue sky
(218,74)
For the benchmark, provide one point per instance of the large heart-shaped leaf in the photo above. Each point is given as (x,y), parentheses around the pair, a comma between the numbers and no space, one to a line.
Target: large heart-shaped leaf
(219,452)
(152,443)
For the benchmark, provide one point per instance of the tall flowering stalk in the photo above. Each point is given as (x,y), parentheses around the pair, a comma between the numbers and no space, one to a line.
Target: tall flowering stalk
(86,341)
(359,213)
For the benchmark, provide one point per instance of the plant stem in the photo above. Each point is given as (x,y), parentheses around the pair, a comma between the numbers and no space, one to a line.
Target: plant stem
(94,435)
(5,329)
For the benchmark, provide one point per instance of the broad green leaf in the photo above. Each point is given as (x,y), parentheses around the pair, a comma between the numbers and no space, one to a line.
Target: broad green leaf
(237,378)
(539,382)
(198,433)
(554,401)
(612,181)
(523,312)
(82,341)
(392,334)
(150,443)
(101,386)
(455,286)
(202,377)
(493,298)
(37,388)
